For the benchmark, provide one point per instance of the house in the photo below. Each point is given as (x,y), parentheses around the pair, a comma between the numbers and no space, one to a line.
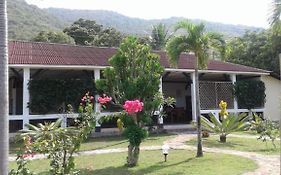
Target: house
(30,60)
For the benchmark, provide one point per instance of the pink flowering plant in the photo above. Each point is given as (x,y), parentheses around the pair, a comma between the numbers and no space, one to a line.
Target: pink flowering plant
(60,144)
(132,82)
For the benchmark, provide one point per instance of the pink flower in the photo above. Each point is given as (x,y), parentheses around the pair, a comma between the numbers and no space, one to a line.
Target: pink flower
(132,107)
(105,99)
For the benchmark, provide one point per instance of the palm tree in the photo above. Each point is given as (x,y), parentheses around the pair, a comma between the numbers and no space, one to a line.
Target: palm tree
(3,89)
(201,43)
(275,12)
(159,36)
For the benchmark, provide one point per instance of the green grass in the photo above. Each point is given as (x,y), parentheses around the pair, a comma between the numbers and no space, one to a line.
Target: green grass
(240,144)
(180,162)
(250,133)
(121,142)
(110,142)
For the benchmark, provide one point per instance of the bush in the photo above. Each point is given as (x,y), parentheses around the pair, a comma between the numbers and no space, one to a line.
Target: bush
(250,94)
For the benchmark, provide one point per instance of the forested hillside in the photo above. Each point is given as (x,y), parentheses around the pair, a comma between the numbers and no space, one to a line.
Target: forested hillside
(141,26)
(26,21)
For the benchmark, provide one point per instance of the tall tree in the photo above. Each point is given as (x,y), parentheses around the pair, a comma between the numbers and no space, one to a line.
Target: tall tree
(83,31)
(88,32)
(256,49)
(198,41)
(108,37)
(3,88)
(53,37)
(159,36)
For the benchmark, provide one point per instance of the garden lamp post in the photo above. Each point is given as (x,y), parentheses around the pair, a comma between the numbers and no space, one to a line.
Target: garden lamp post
(165,150)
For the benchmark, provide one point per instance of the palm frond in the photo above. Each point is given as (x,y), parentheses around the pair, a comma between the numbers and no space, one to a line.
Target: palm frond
(275,12)
(175,47)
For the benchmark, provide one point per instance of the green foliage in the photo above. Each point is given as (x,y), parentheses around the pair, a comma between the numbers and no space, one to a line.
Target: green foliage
(225,125)
(52,95)
(267,129)
(83,31)
(250,94)
(195,40)
(53,37)
(256,49)
(159,36)
(61,143)
(135,134)
(88,32)
(21,159)
(135,74)
(142,26)
(26,21)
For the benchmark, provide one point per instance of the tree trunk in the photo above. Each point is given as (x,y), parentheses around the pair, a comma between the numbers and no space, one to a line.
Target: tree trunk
(223,138)
(198,114)
(4,130)
(133,155)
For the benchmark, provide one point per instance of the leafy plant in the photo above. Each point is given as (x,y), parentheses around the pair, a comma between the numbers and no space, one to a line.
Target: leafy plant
(61,143)
(267,129)
(22,158)
(226,124)
(250,94)
(135,75)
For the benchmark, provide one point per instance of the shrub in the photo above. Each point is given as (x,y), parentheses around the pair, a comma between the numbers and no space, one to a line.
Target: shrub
(250,94)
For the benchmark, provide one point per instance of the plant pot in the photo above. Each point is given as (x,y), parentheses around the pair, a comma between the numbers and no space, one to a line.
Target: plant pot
(205,134)
(223,138)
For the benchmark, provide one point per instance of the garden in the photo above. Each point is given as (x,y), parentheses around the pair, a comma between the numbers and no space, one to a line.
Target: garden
(131,85)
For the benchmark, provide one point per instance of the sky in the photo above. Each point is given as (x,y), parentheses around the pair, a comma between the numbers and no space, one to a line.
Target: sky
(245,12)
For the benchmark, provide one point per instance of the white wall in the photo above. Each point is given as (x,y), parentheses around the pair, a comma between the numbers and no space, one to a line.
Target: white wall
(273,97)
(177,91)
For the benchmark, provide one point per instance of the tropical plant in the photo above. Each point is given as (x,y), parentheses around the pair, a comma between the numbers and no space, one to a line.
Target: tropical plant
(226,123)
(4,135)
(133,82)
(61,143)
(199,42)
(275,12)
(159,36)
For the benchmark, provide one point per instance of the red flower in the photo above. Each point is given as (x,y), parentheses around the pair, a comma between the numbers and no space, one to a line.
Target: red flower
(105,99)
(132,107)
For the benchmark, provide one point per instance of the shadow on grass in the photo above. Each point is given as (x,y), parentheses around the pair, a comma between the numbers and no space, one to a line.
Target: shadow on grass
(124,170)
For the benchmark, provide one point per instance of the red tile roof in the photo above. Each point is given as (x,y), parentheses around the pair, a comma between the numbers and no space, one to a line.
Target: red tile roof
(59,54)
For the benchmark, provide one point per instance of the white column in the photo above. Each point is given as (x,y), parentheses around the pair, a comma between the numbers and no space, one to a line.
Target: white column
(193,96)
(160,118)
(97,105)
(235,105)
(26,98)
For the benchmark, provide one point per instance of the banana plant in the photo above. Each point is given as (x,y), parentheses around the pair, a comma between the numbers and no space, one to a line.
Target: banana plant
(226,124)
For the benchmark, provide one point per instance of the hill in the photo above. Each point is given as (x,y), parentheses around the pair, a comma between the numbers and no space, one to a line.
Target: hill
(26,20)
(141,26)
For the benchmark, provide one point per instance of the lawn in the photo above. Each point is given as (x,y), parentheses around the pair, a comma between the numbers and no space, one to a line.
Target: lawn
(179,162)
(240,144)
(111,142)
